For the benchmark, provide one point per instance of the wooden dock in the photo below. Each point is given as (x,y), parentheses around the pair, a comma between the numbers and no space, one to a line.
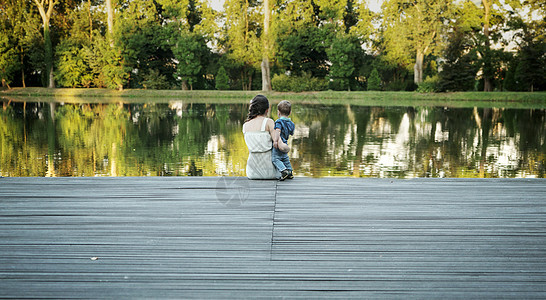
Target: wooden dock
(205,237)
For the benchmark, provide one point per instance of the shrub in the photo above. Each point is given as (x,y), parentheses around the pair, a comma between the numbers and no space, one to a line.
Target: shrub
(510,83)
(72,66)
(374,82)
(281,82)
(401,85)
(222,79)
(339,84)
(396,85)
(285,83)
(429,85)
(155,81)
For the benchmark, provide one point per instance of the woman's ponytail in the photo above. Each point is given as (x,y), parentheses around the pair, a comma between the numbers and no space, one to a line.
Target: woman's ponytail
(258,106)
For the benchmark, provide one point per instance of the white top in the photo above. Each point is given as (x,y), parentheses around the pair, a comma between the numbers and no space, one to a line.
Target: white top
(258,141)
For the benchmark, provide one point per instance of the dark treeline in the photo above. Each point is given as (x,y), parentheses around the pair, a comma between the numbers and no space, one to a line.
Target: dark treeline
(289,45)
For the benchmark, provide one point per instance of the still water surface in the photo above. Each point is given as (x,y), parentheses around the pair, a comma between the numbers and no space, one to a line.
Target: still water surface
(181,139)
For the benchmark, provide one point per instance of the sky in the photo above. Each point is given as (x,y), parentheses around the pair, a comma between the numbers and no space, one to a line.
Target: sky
(375,5)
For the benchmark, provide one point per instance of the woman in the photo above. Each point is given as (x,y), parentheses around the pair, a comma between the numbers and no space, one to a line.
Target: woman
(259,131)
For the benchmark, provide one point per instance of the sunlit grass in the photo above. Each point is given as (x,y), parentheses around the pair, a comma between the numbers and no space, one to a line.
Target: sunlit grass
(457,99)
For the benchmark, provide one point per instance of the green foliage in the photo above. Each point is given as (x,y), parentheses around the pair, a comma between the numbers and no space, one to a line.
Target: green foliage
(113,70)
(192,54)
(242,37)
(8,59)
(222,79)
(304,51)
(400,85)
(509,83)
(142,42)
(312,39)
(364,27)
(343,55)
(374,82)
(429,85)
(530,71)
(154,80)
(285,83)
(460,66)
(414,28)
(71,64)
(331,11)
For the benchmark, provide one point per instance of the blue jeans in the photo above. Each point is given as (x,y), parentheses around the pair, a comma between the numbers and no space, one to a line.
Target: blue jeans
(280,160)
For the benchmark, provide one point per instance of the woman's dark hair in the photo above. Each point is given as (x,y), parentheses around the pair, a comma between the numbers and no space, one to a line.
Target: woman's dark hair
(258,106)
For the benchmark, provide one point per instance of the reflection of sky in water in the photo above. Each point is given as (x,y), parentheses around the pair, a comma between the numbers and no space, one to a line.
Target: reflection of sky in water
(336,140)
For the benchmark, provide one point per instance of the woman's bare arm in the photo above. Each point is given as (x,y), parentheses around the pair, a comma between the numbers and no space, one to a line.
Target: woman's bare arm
(276,137)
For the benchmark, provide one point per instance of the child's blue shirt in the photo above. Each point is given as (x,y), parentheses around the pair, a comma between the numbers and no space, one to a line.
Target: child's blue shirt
(286,126)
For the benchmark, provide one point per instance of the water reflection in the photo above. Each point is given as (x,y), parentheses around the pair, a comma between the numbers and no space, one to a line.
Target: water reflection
(179,138)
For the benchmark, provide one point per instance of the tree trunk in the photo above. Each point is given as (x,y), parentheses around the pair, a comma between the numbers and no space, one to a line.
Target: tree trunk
(23,68)
(110,26)
(110,21)
(5,83)
(46,16)
(266,77)
(249,88)
(418,67)
(184,85)
(90,23)
(487,62)
(243,86)
(48,57)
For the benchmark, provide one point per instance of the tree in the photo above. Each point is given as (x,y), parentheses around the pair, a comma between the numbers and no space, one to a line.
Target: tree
(74,53)
(492,17)
(527,71)
(20,24)
(461,57)
(110,22)
(8,60)
(343,55)
(72,67)
(266,76)
(242,40)
(191,51)
(189,28)
(304,51)
(46,9)
(374,82)
(487,69)
(333,11)
(143,41)
(509,83)
(364,28)
(530,71)
(414,28)
(222,79)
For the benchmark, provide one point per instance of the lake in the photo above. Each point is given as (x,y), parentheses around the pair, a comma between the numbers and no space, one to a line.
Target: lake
(181,138)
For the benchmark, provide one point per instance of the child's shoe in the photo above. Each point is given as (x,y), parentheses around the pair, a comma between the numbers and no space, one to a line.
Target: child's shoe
(284,175)
(290,175)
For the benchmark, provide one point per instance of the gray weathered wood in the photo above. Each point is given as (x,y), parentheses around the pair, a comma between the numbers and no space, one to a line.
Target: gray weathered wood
(203,237)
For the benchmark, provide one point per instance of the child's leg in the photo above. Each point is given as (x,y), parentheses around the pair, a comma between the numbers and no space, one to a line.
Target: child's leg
(286,161)
(277,160)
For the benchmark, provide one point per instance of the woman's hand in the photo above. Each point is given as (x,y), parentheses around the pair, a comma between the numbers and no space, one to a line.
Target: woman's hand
(283,146)
(276,138)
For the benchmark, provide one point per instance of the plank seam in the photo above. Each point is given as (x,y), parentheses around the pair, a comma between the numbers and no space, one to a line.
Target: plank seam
(273,225)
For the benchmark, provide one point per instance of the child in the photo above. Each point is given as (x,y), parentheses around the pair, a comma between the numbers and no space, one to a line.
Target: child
(284,128)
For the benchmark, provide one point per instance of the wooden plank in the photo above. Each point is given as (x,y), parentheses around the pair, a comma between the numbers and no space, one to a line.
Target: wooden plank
(198,237)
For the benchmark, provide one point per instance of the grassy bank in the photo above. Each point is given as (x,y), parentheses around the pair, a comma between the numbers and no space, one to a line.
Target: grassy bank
(458,99)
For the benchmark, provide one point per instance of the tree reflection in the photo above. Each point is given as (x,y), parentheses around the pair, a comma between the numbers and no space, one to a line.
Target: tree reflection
(189,139)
